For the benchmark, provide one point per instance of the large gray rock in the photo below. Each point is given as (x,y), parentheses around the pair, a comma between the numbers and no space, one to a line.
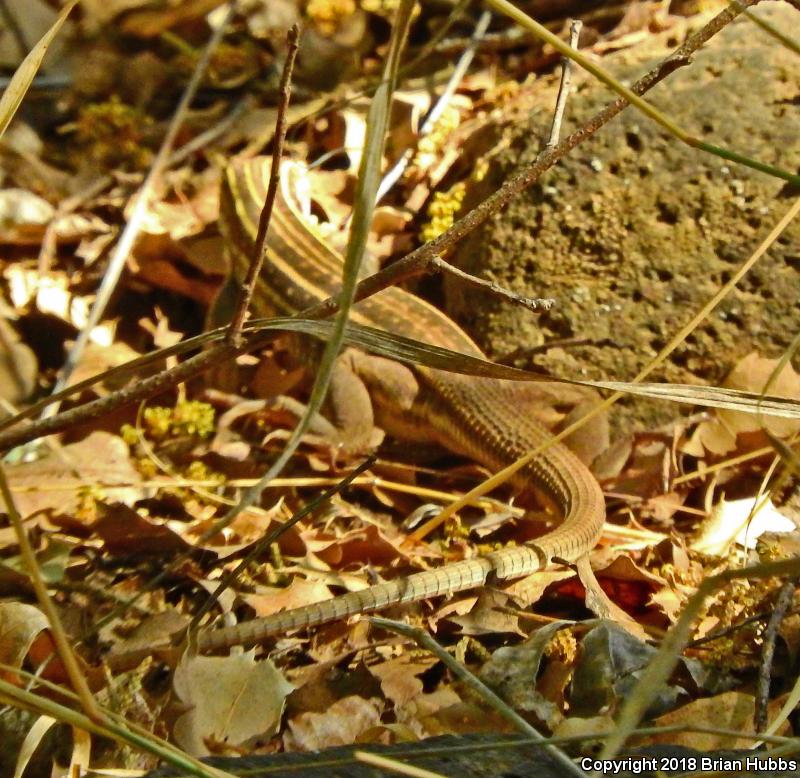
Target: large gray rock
(634,232)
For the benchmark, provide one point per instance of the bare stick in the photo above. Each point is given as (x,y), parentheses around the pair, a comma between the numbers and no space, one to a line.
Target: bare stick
(785,597)
(563,88)
(234,336)
(531,303)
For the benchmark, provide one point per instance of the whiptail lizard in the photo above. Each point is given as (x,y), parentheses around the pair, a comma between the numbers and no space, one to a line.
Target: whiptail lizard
(484,419)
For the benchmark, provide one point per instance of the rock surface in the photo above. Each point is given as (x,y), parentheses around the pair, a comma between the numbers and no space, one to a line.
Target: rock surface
(633,232)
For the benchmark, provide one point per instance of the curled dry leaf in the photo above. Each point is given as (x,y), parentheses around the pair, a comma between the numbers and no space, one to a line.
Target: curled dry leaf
(426,705)
(529,590)
(33,739)
(100,12)
(368,545)
(465,718)
(155,629)
(575,726)
(340,725)
(299,593)
(638,588)
(487,616)
(621,567)
(730,430)
(150,21)
(26,285)
(608,668)
(20,624)
(398,677)
(185,218)
(52,561)
(125,531)
(646,472)
(23,215)
(103,355)
(740,522)
(512,672)
(602,605)
(161,263)
(639,21)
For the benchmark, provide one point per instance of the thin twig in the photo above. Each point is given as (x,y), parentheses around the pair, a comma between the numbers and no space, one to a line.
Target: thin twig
(424,640)
(234,336)
(733,628)
(532,303)
(563,87)
(141,201)
(782,603)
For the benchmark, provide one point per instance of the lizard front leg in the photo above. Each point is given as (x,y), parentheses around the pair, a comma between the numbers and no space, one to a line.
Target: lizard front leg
(350,408)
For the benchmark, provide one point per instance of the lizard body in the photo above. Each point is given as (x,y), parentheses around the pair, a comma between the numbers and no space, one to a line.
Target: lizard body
(481,418)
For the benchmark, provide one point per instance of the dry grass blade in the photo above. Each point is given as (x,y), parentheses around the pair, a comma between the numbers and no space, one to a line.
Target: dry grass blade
(709,397)
(416,352)
(393,765)
(25,73)
(62,642)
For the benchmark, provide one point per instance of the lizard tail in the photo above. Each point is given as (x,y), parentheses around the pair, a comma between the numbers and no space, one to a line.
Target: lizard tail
(453,578)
